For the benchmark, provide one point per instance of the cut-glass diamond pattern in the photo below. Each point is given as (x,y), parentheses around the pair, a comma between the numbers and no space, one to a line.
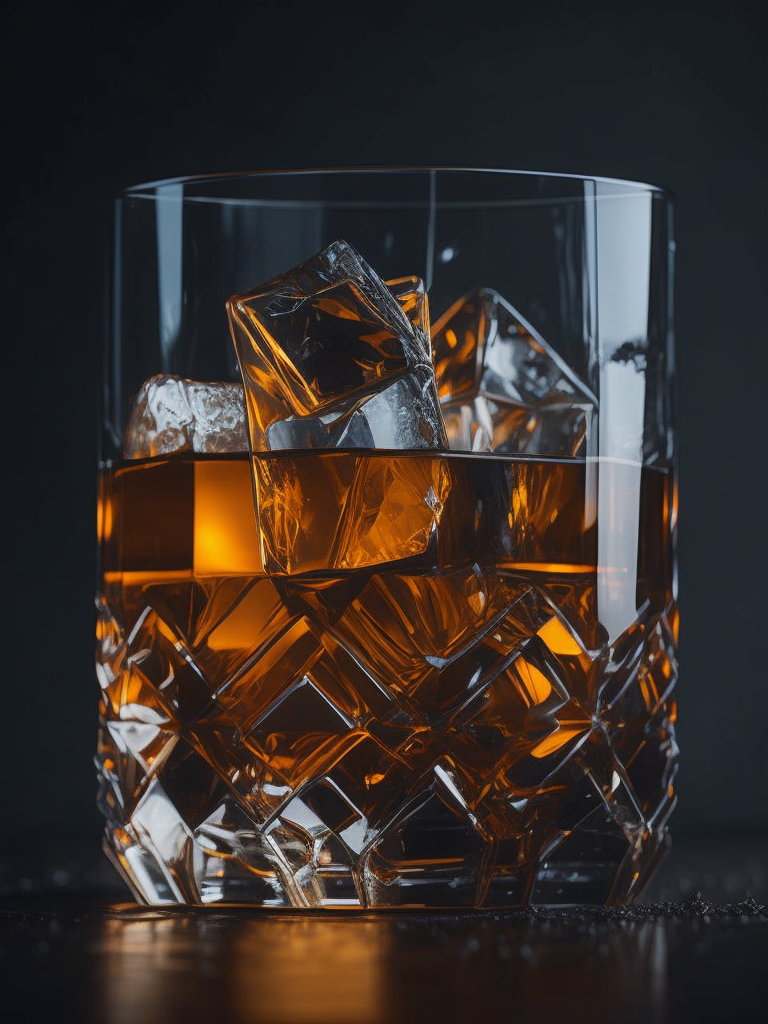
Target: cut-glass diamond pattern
(336,758)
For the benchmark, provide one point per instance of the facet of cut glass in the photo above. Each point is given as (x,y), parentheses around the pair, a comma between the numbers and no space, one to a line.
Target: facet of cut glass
(322,342)
(431,853)
(502,387)
(171,414)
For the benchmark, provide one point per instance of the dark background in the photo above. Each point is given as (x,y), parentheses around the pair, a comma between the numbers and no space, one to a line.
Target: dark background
(98,97)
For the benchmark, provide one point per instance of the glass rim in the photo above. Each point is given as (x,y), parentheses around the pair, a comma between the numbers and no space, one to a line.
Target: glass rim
(139,189)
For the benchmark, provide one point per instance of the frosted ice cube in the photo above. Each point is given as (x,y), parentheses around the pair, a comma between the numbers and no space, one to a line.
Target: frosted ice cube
(172,414)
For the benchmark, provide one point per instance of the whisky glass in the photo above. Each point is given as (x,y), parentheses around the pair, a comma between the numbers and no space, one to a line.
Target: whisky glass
(387,599)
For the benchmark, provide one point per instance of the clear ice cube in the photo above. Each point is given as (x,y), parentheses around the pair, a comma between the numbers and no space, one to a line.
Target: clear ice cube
(329,512)
(322,344)
(399,416)
(172,414)
(502,387)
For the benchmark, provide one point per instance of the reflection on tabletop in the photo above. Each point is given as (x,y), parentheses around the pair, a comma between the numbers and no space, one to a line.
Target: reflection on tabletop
(75,947)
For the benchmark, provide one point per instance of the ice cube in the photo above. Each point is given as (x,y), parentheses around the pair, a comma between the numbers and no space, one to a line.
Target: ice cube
(172,414)
(399,416)
(333,357)
(327,511)
(322,345)
(502,387)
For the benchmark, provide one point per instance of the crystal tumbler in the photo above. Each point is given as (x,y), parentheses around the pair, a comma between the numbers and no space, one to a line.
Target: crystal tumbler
(386,613)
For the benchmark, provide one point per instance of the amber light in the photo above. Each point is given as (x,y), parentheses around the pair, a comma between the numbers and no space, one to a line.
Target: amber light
(104,517)
(226,537)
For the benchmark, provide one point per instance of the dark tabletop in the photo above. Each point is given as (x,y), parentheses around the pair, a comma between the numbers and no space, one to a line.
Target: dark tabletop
(74,947)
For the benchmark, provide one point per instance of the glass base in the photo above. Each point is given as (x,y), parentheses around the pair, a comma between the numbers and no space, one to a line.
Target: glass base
(554,882)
